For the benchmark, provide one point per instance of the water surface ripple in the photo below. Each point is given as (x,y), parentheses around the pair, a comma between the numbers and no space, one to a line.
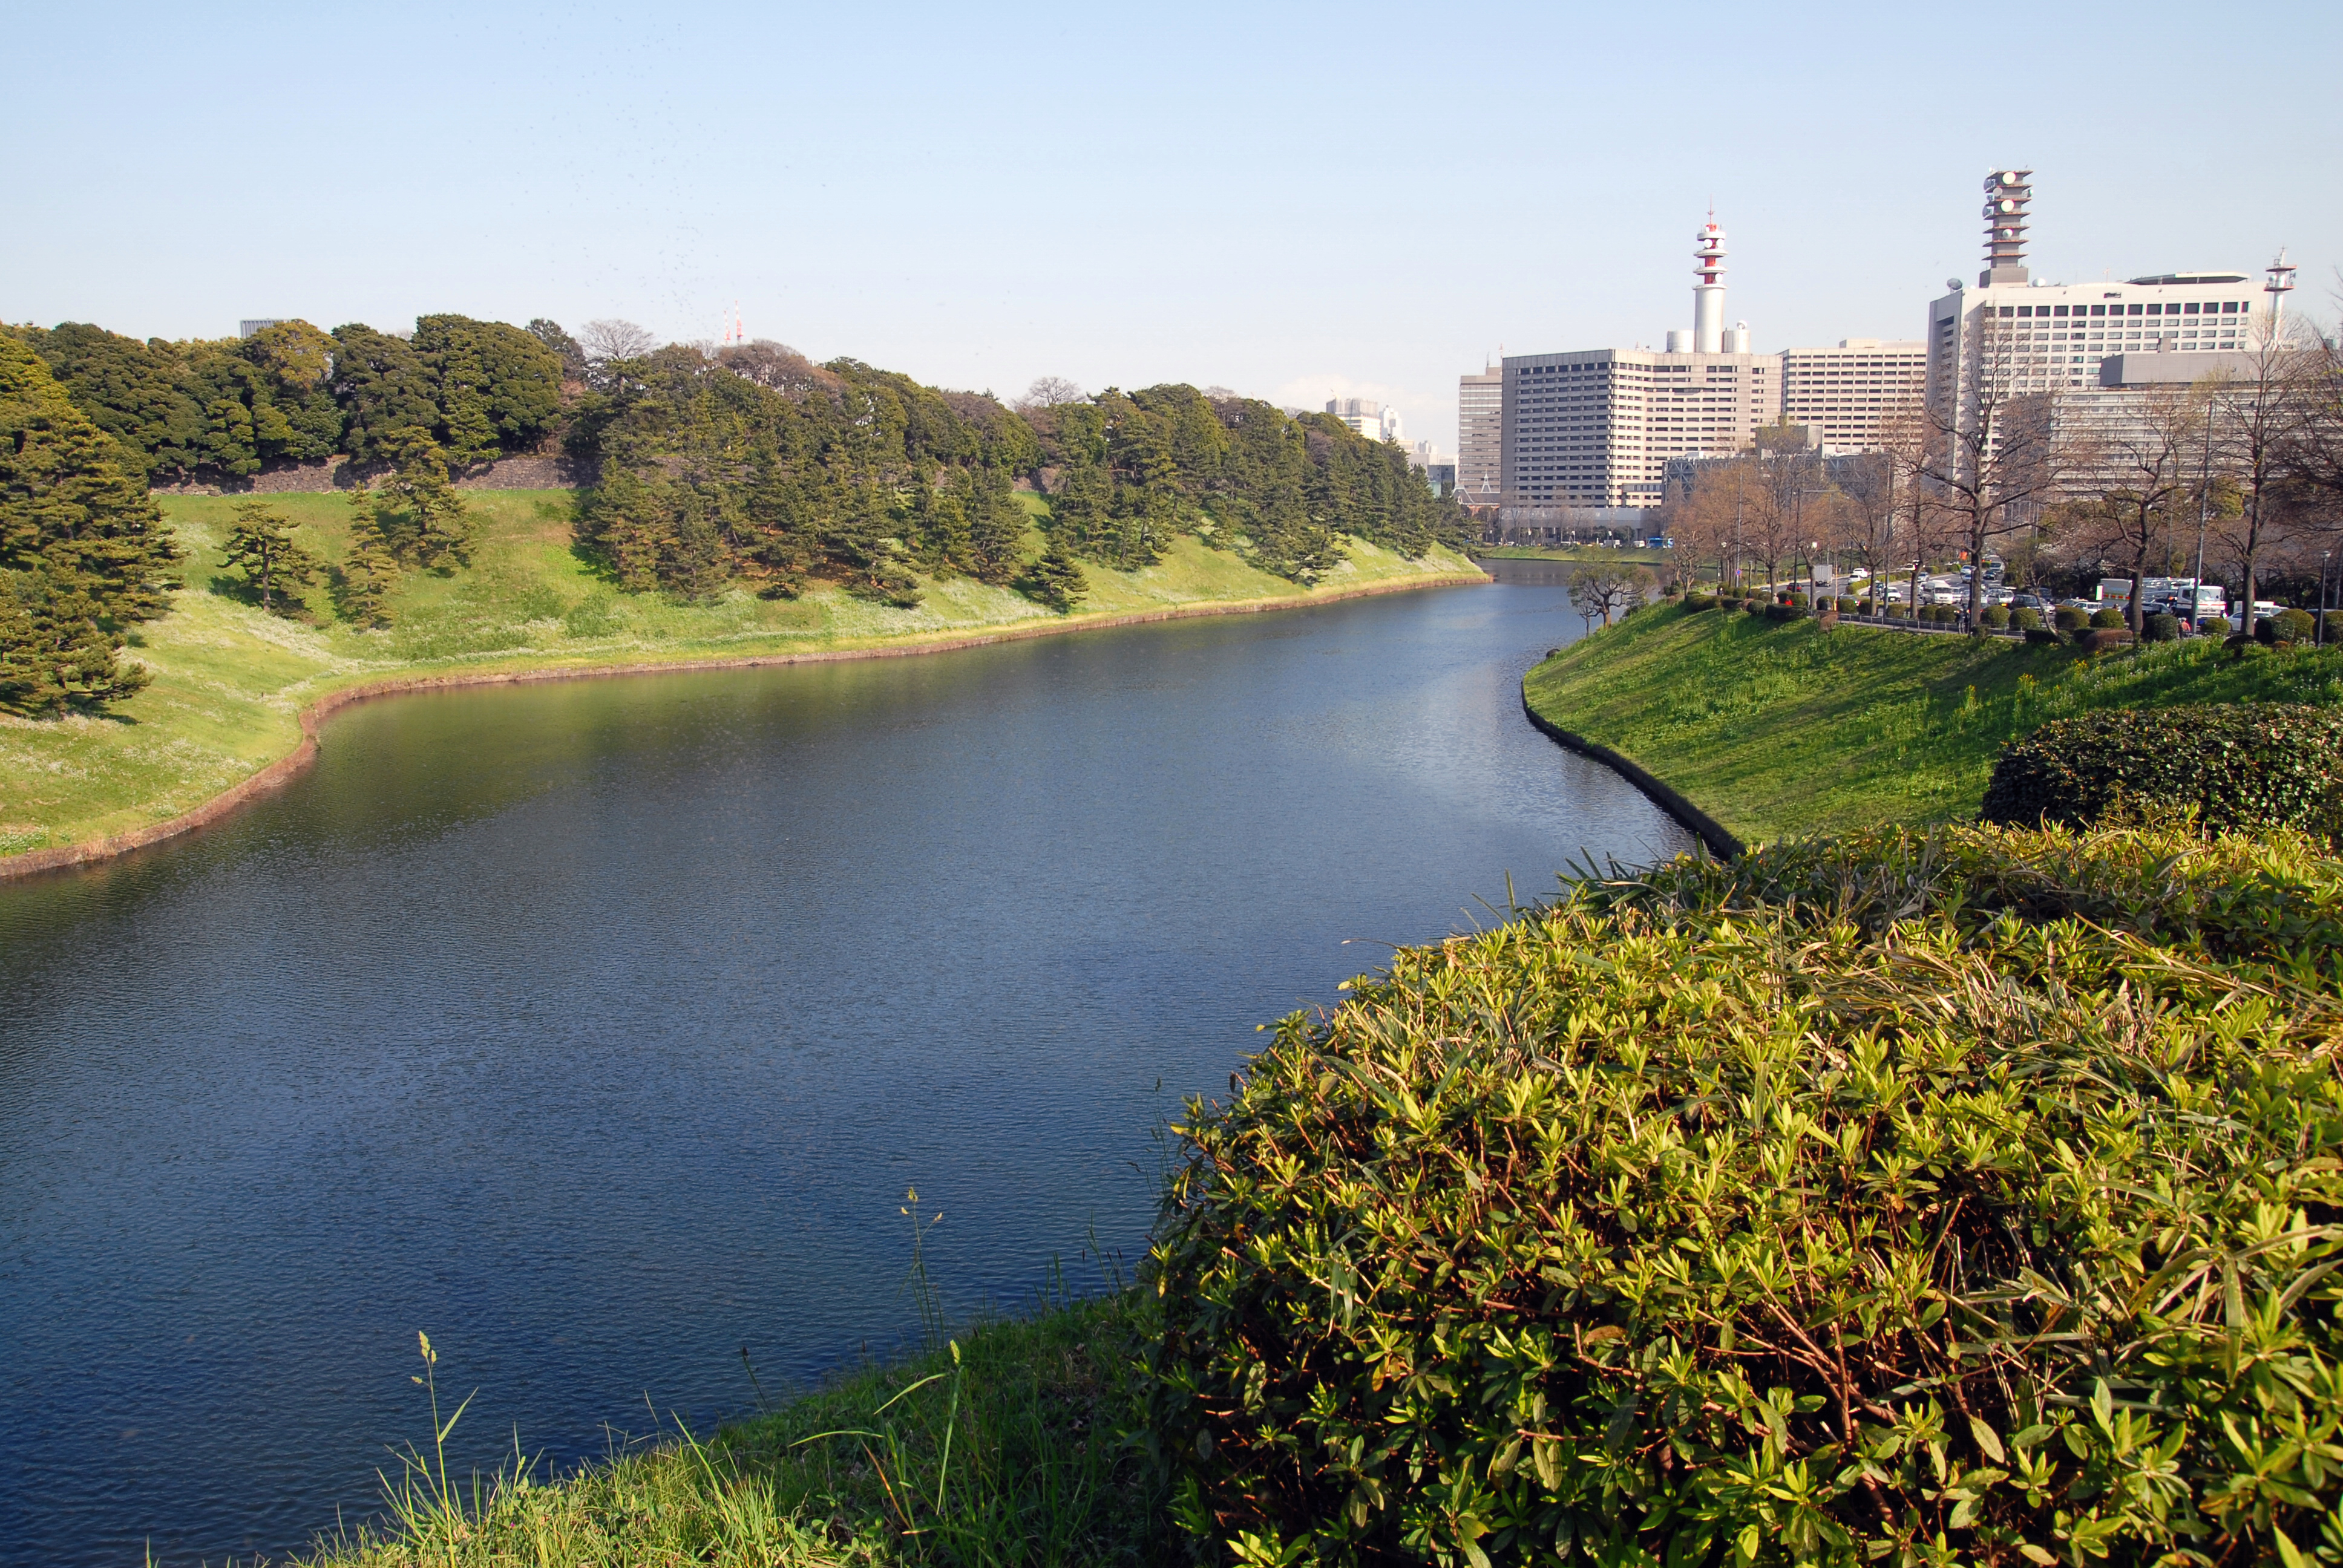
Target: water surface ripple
(599,1029)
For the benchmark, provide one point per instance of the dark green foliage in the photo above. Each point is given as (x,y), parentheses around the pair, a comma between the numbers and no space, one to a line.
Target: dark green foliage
(1906,1198)
(564,347)
(2236,767)
(2334,628)
(712,477)
(2214,626)
(1786,612)
(410,518)
(1133,469)
(2293,626)
(54,652)
(261,545)
(1995,618)
(1849,606)
(384,391)
(219,408)
(2026,618)
(2041,635)
(497,387)
(2106,616)
(1056,580)
(2070,619)
(2161,626)
(69,504)
(1699,601)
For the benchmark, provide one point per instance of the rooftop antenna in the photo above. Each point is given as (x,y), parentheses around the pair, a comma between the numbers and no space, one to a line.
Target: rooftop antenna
(2006,194)
(2280,285)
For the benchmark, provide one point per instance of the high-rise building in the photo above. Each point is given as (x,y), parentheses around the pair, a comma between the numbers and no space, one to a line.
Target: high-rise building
(1481,438)
(1596,427)
(1841,395)
(2012,337)
(1370,418)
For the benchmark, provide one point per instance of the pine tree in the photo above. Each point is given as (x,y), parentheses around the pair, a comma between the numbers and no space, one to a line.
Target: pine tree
(434,528)
(262,546)
(1056,580)
(996,528)
(362,583)
(53,652)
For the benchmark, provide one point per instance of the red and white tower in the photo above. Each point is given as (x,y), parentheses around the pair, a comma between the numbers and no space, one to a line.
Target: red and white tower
(1708,293)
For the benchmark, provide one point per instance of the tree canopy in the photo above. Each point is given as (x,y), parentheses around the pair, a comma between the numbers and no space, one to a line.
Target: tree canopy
(84,550)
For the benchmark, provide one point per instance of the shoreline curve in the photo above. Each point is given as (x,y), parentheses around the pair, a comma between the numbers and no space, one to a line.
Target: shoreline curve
(1703,827)
(276,774)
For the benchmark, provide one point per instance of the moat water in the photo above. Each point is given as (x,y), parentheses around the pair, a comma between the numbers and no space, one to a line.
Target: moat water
(598,1029)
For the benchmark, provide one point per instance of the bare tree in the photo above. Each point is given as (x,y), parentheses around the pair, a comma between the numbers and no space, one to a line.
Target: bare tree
(1607,591)
(1050,392)
(609,339)
(1880,496)
(1993,457)
(777,365)
(2257,413)
(2145,457)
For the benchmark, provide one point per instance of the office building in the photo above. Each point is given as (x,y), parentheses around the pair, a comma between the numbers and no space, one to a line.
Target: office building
(1480,438)
(2012,337)
(1375,422)
(1841,395)
(1595,428)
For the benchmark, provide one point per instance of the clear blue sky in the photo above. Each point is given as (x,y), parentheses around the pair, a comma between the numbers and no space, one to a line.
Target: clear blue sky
(1286,200)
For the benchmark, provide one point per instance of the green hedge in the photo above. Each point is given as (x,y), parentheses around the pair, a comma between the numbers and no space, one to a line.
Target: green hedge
(2161,626)
(2244,767)
(1699,601)
(2026,618)
(1995,618)
(2106,618)
(2068,618)
(1849,606)
(1899,1201)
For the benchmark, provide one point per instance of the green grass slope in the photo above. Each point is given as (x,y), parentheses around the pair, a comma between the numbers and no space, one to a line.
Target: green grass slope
(1777,728)
(230,680)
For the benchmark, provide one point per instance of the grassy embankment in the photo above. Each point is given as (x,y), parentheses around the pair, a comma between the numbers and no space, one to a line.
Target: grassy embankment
(1776,728)
(230,680)
(1011,1445)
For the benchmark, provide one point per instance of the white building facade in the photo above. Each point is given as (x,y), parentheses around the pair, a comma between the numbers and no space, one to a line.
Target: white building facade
(1843,395)
(1596,428)
(1375,422)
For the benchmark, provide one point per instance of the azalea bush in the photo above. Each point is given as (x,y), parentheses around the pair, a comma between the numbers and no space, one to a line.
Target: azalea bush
(2246,766)
(1966,1197)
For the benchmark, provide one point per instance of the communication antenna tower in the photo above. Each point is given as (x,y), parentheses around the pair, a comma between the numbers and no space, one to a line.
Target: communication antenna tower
(2280,285)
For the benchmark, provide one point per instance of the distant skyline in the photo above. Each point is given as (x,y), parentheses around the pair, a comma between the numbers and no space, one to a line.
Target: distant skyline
(1362,201)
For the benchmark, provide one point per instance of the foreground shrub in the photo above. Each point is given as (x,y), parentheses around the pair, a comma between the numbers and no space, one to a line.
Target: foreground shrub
(1903,1199)
(2069,619)
(2293,626)
(1699,601)
(1786,612)
(2246,767)
(1995,618)
(2214,626)
(2037,634)
(1849,606)
(2026,618)
(2108,617)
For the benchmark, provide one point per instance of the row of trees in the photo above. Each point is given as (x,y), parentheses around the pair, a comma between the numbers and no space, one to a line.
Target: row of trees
(752,465)
(225,409)
(2242,470)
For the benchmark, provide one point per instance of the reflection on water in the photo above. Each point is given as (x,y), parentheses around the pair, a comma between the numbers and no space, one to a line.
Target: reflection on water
(597,1029)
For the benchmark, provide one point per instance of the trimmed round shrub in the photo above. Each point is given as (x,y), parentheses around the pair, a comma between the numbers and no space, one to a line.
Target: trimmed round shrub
(1699,601)
(2026,618)
(2106,616)
(1995,618)
(2214,626)
(1754,606)
(1942,614)
(2295,626)
(2334,619)
(1850,606)
(1796,601)
(2068,618)
(2042,635)
(1605,1235)
(2266,631)
(2161,626)
(2243,766)
(1786,612)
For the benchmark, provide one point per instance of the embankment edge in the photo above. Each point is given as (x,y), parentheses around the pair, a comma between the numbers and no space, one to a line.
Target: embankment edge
(276,774)
(1710,832)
